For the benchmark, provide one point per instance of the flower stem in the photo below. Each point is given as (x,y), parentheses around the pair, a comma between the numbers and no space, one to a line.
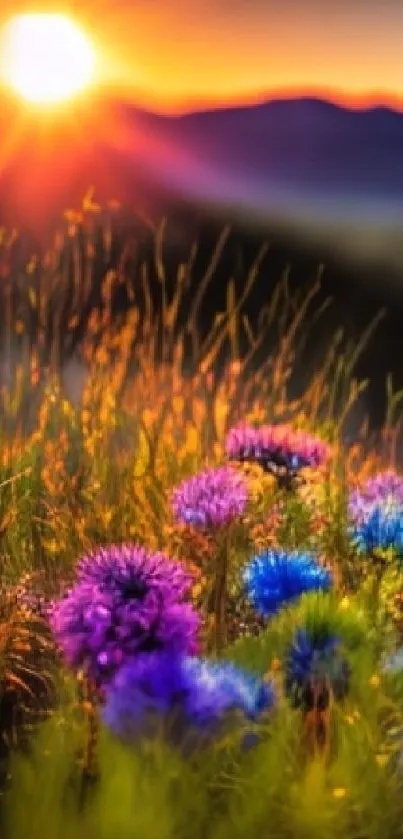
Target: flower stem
(89,767)
(220,599)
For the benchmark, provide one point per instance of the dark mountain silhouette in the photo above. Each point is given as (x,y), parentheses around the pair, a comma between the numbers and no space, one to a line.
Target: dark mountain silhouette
(295,142)
(292,143)
(304,166)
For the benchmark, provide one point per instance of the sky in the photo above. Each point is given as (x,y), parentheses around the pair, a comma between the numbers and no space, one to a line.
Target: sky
(185,51)
(178,54)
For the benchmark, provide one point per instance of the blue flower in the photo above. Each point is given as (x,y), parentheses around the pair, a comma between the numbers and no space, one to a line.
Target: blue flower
(382,529)
(315,669)
(276,577)
(192,693)
(376,514)
(239,690)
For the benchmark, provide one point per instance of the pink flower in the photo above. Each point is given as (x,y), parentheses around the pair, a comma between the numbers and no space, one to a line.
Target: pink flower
(276,446)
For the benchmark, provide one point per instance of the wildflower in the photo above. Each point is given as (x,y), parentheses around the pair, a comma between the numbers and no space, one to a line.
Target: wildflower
(276,446)
(276,577)
(384,491)
(190,691)
(126,602)
(382,530)
(315,670)
(376,514)
(212,498)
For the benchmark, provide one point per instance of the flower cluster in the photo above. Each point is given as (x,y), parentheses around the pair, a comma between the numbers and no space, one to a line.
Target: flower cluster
(315,670)
(211,499)
(125,602)
(385,490)
(381,531)
(276,446)
(376,513)
(190,692)
(276,577)
(126,624)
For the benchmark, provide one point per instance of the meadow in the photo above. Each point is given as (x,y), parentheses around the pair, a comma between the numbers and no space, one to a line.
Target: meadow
(201,599)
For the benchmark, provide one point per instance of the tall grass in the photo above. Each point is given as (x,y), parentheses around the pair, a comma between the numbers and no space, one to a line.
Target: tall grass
(157,388)
(114,389)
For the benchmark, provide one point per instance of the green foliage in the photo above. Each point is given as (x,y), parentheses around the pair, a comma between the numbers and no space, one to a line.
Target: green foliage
(312,611)
(295,530)
(276,790)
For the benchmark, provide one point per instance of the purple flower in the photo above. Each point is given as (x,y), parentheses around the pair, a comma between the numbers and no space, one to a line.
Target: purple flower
(126,602)
(276,577)
(274,446)
(135,570)
(191,692)
(384,491)
(212,498)
(376,513)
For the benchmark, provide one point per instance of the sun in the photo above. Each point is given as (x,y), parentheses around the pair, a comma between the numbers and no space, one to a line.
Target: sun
(46,58)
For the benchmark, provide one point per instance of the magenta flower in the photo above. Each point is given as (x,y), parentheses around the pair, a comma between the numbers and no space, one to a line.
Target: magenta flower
(276,446)
(126,602)
(212,498)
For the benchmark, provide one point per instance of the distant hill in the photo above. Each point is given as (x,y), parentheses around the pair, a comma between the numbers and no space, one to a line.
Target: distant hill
(327,173)
(303,142)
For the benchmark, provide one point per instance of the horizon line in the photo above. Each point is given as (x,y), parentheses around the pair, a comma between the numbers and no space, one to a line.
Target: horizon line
(180,106)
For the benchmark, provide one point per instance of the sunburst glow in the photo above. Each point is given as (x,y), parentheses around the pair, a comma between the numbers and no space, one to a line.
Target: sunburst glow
(46,58)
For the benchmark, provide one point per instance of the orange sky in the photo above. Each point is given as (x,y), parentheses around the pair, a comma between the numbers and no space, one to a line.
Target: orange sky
(185,53)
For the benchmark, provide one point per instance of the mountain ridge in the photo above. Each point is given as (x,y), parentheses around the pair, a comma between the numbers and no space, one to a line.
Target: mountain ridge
(303,162)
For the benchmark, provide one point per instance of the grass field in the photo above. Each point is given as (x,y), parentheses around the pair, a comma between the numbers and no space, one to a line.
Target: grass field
(314,625)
